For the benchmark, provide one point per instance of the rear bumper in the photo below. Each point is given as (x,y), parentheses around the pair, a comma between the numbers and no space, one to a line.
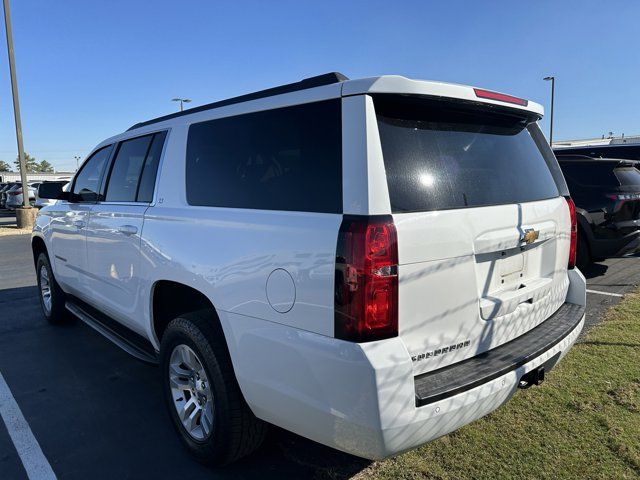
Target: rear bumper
(444,416)
(363,398)
(612,247)
(460,377)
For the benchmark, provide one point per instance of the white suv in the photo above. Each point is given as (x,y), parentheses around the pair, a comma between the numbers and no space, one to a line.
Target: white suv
(368,263)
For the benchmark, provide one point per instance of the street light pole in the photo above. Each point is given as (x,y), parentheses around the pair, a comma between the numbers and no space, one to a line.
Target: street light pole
(182,101)
(77,162)
(16,105)
(553,88)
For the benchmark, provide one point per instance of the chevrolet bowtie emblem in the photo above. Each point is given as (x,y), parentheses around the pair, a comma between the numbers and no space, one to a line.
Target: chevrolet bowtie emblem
(530,236)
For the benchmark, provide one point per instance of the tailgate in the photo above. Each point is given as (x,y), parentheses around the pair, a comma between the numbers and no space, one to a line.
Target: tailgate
(483,232)
(467,283)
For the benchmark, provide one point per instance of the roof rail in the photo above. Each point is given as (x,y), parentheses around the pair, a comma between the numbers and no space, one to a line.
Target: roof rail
(311,82)
(586,158)
(573,156)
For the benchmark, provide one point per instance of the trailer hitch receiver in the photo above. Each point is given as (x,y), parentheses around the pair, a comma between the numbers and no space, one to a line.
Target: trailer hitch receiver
(534,377)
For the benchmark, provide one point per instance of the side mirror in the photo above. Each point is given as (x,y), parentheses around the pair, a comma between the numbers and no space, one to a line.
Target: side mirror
(51,190)
(64,196)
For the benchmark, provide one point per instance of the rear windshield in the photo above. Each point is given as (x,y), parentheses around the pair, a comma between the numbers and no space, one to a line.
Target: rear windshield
(442,155)
(628,176)
(600,174)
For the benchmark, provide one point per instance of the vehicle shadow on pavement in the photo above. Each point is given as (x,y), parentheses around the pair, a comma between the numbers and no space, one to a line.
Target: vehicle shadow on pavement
(292,456)
(594,270)
(99,413)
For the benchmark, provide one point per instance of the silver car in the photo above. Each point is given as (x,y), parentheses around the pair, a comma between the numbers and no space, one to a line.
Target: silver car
(14,196)
(3,193)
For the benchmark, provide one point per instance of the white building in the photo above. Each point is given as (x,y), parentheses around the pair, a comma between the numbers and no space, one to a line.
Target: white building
(591,142)
(35,177)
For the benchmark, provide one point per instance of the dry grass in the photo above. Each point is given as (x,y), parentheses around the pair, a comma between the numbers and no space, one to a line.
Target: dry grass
(13,230)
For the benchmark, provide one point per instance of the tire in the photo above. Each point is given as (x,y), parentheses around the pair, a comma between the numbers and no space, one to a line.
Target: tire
(52,298)
(233,429)
(583,255)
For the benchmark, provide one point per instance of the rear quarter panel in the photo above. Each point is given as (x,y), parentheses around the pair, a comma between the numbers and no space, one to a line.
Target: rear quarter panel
(228,254)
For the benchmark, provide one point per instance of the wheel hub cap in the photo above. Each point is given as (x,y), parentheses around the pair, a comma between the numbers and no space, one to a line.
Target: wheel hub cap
(191,392)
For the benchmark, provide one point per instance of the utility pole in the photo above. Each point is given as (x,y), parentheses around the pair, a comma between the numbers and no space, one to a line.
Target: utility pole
(16,103)
(23,219)
(553,87)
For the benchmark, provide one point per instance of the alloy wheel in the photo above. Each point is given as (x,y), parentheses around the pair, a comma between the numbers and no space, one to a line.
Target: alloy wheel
(191,392)
(45,289)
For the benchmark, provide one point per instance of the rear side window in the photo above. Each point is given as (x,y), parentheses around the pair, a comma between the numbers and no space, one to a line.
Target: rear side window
(150,170)
(283,159)
(133,174)
(87,182)
(126,170)
(442,155)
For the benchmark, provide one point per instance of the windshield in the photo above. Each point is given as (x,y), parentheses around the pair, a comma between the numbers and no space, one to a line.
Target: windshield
(442,155)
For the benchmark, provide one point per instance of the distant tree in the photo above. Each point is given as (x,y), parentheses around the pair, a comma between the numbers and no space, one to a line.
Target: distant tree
(44,167)
(4,166)
(32,164)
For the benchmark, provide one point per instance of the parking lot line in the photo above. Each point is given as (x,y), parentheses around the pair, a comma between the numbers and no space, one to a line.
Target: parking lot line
(35,463)
(605,293)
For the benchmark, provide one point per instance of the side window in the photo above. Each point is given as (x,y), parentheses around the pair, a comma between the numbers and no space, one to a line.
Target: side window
(126,169)
(133,171)
(148,179)
(282,159)
(87,182)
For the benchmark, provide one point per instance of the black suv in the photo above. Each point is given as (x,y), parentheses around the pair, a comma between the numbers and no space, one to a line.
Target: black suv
(606,192)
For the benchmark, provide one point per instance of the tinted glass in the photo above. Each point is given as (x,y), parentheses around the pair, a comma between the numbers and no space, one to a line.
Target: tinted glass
(284,159)
(628,176)
(590,174)
(126,170)
(148,179)
(442,155)
(87,182)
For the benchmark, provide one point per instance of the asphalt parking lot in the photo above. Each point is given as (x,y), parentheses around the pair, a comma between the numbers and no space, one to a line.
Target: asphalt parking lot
(97,413)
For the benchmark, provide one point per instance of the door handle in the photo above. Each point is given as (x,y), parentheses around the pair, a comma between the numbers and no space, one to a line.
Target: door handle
(79,223)
(128,229)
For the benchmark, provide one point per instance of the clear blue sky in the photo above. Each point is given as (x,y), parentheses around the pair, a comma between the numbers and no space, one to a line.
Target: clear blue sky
(90,69)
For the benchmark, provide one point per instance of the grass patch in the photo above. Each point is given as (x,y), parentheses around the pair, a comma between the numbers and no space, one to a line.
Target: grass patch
(583,422)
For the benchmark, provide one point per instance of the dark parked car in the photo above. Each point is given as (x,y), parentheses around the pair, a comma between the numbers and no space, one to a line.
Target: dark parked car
(606,192)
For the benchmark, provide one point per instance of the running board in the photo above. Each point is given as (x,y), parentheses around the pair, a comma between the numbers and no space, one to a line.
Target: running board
(120,338)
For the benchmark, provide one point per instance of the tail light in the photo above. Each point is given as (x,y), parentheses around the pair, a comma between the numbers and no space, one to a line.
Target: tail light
(366,283)
(16,192)
(573,248)
(501,97)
